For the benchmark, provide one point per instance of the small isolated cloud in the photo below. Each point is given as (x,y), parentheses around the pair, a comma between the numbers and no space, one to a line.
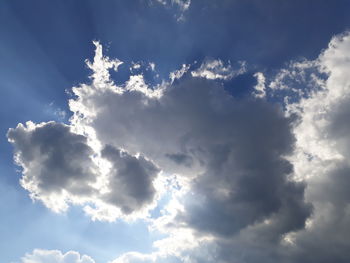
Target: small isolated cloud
(216,69)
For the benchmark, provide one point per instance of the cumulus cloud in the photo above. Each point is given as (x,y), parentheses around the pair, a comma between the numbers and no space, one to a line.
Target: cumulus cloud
(322,157)
(60,167)
(130,179)
(56,162)
(250,181)
(230,151)
(55,256)
(66,164)
(321,161)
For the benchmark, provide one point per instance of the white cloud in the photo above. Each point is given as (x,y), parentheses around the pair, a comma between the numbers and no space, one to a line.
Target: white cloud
(298,80)
(100,67)
(259,88)
(178,74)
(183,5)
(216,69)
(178,6)
(152,66)
(55,256)
(321,158)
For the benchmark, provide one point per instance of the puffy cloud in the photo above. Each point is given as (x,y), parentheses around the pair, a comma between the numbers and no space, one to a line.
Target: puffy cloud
(254,183)
(57,163)
(130,180)
(55,256)
(321,162)
(60,167)
(316,93)
(322,157)
(230,153)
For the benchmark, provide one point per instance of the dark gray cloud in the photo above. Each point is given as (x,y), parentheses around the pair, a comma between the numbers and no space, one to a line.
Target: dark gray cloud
(246,178)
(320,160)
(327,238)
(53,158)
(180,158)
(232,151)
(130,179)
(247,199)
(60,167)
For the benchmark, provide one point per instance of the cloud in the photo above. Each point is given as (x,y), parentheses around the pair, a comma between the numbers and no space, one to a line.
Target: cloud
(135,257)
(215,69)
(55,256)
(320,160)
(322,157)
(229,152)
(130,178)
(60,167)
(178,74)
(248,180)
(178,6)
(183,5)
(56,162)
(259,89)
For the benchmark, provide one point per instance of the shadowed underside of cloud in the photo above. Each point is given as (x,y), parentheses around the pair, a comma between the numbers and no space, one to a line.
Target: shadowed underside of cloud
(255,183)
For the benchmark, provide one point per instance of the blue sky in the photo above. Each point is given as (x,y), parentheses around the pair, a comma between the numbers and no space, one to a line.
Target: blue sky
(207,122)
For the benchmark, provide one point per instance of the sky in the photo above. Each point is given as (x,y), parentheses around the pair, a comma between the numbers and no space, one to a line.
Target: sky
(174,131)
